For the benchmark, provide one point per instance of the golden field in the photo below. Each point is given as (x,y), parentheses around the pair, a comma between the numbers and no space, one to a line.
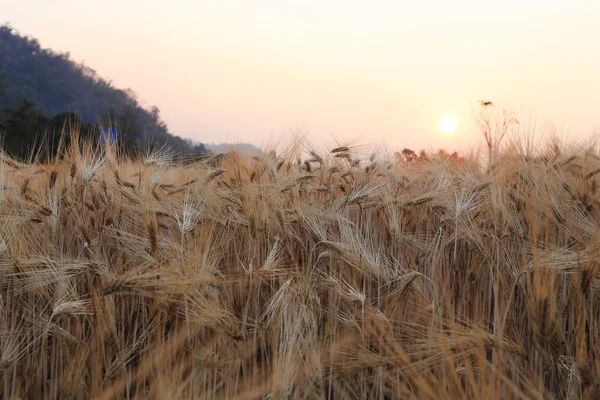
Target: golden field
(293,276)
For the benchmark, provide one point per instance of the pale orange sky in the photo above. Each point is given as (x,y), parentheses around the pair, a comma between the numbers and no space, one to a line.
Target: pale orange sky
(386,70)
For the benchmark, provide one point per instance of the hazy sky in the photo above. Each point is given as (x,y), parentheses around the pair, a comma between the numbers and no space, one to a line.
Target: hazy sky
(256,70)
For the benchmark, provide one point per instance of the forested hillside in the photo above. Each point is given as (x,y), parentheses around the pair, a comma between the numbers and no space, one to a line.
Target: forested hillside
(41,89)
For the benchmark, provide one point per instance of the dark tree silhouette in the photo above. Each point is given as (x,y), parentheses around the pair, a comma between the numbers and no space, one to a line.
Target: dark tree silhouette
(55,85)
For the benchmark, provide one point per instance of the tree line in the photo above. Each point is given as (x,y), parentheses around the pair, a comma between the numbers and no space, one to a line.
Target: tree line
(42,91)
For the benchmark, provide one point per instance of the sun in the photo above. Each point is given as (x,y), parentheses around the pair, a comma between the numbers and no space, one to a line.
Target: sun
(448,124)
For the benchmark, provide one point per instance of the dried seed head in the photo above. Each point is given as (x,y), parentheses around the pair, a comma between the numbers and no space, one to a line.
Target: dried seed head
(45,211)
(53,176)
(214,174)
(152,229)
(341,149)
(25,186)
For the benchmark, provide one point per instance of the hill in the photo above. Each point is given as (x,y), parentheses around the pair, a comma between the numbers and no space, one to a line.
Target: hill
(240,147)
(42,88)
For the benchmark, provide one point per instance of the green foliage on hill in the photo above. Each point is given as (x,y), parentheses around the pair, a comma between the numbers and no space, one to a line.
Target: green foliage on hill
(41,90)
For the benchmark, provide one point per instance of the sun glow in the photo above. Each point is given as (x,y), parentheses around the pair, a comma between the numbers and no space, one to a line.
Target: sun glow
(448,124)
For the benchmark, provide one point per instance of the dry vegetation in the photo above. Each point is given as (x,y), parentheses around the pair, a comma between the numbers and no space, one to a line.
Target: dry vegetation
(278,277)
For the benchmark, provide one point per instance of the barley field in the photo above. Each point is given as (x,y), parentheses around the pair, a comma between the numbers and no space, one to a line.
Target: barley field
(295,276)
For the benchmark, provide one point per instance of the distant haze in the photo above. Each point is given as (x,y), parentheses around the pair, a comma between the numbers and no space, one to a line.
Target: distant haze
(246,148)
(232,71)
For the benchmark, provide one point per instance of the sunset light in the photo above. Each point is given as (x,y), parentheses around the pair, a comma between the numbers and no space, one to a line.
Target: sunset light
(448,124)
(222,71)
